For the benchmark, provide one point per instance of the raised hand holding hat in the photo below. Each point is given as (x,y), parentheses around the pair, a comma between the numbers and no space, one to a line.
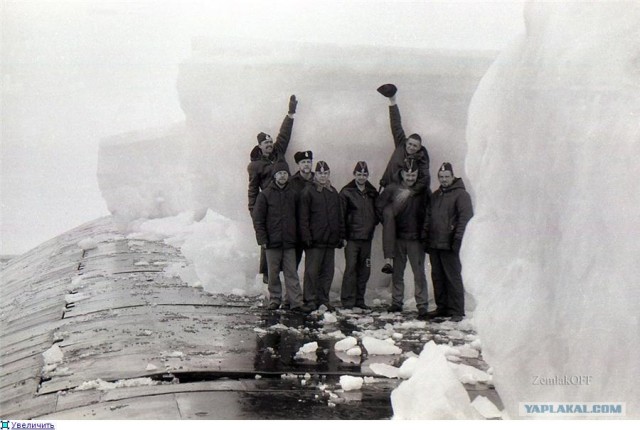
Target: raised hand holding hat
(387,90)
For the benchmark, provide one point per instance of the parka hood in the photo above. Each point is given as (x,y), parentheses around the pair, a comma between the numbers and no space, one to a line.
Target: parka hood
(457,184)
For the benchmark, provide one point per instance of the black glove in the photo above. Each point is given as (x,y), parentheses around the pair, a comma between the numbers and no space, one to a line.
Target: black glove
(387,90)
(293,102)
(455,247)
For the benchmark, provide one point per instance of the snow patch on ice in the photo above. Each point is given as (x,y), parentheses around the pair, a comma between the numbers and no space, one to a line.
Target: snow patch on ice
(87,244)
(350,383)
(408,367)
(99,384)
(486,407)
(384,370)
(469,374)
(355,351)
(346,343)
(446,399)
(379,347)
(329,318)
(53,355)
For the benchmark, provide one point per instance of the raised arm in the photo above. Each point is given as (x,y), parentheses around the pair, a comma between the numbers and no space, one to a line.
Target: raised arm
(397,131)
(284,135)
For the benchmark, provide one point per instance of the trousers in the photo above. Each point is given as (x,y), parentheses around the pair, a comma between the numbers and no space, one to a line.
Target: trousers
(414,252)
(446,275)
(318,275)
(285,258)
(357,255)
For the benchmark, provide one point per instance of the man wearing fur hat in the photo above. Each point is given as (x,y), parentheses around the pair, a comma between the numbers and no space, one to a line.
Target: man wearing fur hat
(358,199)
(322,231)
(405,147)
(449,212)
(263,157)
(409,208)
(274,220)
(302,178)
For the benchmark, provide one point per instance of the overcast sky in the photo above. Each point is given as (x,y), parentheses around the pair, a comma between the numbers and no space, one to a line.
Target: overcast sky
(58,101)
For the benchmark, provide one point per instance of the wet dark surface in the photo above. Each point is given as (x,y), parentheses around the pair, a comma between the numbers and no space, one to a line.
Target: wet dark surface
(178,352)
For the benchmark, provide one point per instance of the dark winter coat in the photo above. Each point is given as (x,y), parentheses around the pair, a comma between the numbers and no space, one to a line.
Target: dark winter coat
(261,167)
(274,217)
(396,162)
(298,183)
(410,216)
(359,211)
(449,212)
(320,217)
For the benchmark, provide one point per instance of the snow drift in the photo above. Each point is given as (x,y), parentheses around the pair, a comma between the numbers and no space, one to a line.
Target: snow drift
(552,253)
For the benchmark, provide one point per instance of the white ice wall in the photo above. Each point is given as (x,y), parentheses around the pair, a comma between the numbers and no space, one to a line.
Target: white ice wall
(230,91)
(552,253)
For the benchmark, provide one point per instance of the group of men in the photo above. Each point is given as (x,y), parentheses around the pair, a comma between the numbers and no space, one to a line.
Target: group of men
(304,213)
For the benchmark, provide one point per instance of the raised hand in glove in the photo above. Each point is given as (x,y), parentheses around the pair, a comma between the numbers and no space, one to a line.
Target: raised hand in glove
(293,103)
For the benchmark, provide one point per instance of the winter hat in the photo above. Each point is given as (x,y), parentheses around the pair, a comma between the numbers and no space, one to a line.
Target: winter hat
(322,166)
(410,165)
(262,136)
(446,166)
(280,166)
(387,90)
(306,155)
(361,167)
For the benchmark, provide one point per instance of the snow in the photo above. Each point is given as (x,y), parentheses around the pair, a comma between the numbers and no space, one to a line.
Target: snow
(350,383)
(433,391)
(308,348)
(329,318)
(355,351)
(469,374)
(384,370)
(99,384)
(379,347)
(53,355)
(486,407)
(87,244)
(346,343)
(551,256)
(408,367)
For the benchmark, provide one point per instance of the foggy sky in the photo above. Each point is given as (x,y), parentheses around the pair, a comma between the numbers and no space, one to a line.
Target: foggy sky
(76,72)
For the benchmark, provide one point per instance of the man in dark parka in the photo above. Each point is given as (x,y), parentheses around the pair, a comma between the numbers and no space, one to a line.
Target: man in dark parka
(322,231)
(358,199)
(449,212)
(302,178)
(274,220)
(263,157)
(405,148)
(409,207)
